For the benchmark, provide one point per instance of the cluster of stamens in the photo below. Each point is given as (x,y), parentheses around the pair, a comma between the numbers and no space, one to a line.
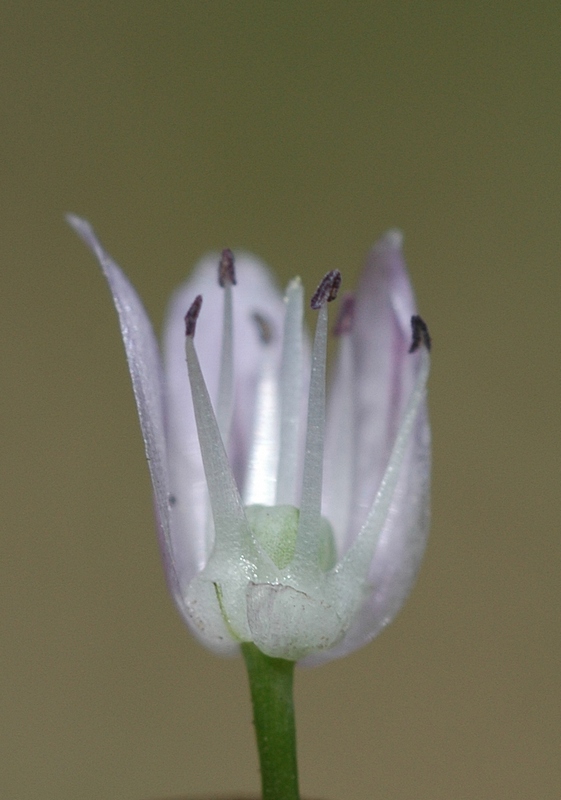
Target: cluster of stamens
(293,571)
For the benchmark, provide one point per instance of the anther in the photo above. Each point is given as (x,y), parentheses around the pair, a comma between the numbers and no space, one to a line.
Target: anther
(226,270)
(264,327)
(327,290)
(346,316)
(420,333)
(192,315)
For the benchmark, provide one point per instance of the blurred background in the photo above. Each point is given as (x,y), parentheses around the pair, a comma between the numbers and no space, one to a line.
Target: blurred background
(300,131)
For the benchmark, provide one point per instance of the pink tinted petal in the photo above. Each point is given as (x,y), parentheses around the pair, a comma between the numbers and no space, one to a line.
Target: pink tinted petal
(400,548)
(147,380)
(384,372)
(255,292)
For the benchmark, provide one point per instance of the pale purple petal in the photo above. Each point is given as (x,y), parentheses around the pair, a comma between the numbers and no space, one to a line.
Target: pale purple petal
(384,377)
(384,372)
(254,292)
(145,367)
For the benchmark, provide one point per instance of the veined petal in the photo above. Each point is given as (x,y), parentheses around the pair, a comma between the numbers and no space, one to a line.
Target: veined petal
(145,367)
(255,293)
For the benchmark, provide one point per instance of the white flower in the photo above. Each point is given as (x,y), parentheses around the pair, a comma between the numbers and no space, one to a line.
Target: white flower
(283,520)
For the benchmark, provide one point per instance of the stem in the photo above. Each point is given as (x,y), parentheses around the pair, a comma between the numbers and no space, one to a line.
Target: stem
(270,683)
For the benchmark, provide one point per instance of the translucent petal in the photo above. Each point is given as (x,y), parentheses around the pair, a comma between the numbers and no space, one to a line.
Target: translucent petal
(384,373)
(339,456)
(400,545)
(145,367)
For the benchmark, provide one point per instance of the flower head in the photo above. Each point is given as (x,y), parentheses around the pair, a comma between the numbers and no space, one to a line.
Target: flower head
(285,519)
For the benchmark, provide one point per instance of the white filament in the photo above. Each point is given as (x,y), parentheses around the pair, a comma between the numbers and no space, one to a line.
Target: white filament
(225,397)
(340,457)
(231,529)
(310,510)
(290,394)
(356,564)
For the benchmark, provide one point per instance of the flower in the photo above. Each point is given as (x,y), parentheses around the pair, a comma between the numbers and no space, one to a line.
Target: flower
(284,519)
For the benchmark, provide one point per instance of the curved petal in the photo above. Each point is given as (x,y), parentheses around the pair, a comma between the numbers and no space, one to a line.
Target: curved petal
(255,293)
(145,367)
(384,373)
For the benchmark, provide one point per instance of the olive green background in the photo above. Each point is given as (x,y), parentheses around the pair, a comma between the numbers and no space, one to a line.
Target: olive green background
(300,131)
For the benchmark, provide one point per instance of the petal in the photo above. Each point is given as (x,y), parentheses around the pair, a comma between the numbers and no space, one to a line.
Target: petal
(384,377)
(400,547)
(384,373)
(145,367)
(255,292)
(339,454)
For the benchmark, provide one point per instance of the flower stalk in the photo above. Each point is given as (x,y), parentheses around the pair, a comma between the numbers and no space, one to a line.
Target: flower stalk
(270,682)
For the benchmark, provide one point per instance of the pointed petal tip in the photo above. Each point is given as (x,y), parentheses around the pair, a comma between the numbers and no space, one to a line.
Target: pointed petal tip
(76,222)
(391,240)
(86,232)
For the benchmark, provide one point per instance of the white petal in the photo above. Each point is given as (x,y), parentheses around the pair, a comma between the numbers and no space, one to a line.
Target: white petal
(147,380)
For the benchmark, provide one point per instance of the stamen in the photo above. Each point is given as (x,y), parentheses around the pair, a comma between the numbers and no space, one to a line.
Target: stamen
(327,290)
(192,316)
(261,477)
(339,458)
(225,396)
(232,535)
(226,269)
(345,319)
(290,394)
(421,333)
(307,541)
(356,563)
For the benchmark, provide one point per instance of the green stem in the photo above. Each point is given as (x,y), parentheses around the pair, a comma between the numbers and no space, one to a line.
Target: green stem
(270,682)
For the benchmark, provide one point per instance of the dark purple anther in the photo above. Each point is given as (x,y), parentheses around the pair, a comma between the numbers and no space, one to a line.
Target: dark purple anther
(226,270)
(327,290)
(421,333)
(192,316)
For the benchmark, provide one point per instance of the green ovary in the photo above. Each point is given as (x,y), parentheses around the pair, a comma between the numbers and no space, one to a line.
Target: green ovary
(276,528)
